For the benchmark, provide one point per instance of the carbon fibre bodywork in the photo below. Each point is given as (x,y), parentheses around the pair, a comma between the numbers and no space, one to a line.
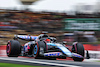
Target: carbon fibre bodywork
(38,46)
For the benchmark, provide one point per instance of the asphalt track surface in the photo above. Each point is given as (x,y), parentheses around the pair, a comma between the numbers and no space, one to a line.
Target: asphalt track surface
(48,63)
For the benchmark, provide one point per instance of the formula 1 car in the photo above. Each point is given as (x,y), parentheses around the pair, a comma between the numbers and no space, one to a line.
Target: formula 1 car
(43,46)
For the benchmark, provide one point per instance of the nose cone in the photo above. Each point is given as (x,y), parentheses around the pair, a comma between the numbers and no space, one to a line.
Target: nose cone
(69,54)
(65,51)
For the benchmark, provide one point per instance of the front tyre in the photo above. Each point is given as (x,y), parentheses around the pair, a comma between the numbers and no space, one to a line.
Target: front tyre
(13,48)
(39,49)
(79,49)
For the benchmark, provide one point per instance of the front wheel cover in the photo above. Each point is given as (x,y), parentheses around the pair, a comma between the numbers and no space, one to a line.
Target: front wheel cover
(36,50)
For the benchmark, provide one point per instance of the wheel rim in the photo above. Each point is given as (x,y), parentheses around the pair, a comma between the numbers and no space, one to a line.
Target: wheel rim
(8,48)
(35,50)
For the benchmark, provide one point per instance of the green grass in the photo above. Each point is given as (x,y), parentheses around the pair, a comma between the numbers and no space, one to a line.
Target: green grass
(16,65)
(98,61)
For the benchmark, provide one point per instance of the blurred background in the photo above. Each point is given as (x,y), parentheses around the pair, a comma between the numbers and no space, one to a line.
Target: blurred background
(66,20)
(70,21)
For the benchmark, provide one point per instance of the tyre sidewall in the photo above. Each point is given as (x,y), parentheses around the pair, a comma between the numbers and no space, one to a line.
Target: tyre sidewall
(40,44)
(79,49)
(15,48)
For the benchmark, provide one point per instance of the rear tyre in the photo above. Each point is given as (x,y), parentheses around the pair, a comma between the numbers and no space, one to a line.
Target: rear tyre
(13,48)
(79,49)
(39,49)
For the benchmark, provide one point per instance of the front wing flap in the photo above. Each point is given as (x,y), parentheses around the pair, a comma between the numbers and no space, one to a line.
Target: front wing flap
(53,54)
(56,54)
(77,55)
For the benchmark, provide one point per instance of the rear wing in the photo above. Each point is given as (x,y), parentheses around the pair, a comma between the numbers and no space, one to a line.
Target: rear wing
(25,37)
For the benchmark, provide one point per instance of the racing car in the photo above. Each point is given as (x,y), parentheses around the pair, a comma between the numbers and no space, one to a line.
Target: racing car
(43,46)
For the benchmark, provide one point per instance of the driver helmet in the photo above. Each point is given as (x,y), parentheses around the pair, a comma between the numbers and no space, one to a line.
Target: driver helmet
(48,40)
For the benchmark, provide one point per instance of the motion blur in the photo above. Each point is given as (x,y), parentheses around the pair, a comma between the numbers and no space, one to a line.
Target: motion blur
(81,24)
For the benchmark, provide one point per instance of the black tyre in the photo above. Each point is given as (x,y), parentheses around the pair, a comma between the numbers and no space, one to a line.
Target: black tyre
(13,48)
(79,49)
(39,49)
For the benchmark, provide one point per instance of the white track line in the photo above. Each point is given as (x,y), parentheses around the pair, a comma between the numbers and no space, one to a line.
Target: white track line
(47,63)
